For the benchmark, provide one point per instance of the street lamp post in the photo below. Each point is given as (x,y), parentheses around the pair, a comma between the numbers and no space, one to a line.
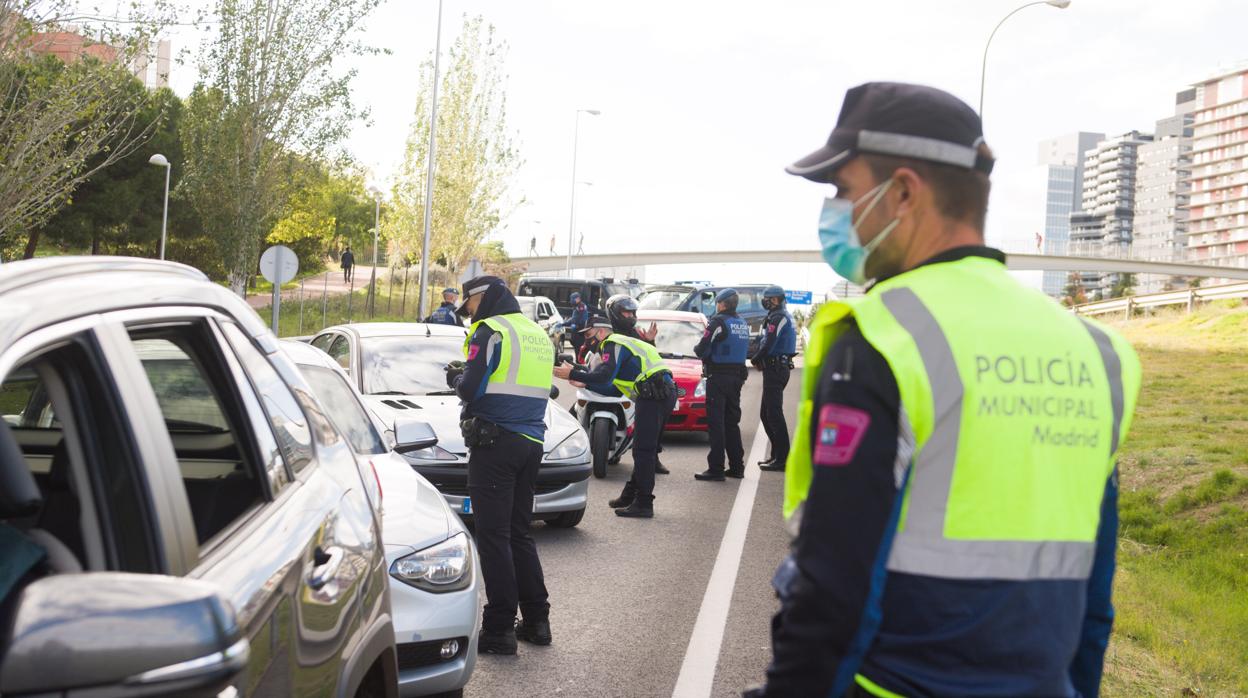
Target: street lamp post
(983,71)
(576,133)
(433,128)
(162,161)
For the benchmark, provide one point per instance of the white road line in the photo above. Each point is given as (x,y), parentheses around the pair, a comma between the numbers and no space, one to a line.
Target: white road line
(697,672)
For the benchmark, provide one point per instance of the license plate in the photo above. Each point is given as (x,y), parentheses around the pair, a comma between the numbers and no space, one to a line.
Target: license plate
(468,505)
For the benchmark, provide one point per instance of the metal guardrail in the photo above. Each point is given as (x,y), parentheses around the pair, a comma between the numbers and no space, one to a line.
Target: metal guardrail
(1189,297)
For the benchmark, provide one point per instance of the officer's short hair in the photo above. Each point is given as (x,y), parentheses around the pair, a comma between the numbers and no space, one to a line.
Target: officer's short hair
(960,193)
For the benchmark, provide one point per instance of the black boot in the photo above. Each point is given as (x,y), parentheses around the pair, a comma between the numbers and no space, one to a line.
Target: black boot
(641,508)
(736,472)
(660,469)
(626,497)
(769,461)
(535,632)
(497,642)
(710,476)
(775,466)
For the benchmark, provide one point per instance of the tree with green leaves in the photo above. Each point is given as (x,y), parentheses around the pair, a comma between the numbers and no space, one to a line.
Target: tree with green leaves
(1074,294)
(60,123)
(475,158)
(1124,285)
(329,210)
(271,96)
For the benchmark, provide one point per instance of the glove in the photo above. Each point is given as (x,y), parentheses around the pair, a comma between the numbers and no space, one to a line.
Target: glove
(454,370)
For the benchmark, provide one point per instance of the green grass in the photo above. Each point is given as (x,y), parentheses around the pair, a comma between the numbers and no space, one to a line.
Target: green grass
(1181,591)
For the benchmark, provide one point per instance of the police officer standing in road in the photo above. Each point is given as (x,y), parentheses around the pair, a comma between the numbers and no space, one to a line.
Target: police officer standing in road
(723,350)
(952,481)
(622,312)
(774,358)
(504,425)
(446,313)
(633,368)
(576,324)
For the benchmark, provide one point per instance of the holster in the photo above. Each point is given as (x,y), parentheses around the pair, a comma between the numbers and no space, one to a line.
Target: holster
(656,387)
(478,433)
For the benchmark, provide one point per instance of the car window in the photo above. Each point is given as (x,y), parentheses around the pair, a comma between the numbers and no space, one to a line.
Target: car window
(193,388)
(289,423)
(344,408)
(706,303)
(748,301)
(322,342)
(410,365)
(661,300)
(24,401)
(677,338)
(340,351)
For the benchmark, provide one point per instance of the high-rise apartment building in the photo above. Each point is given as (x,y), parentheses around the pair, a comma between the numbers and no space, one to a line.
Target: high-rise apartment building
(1218,224)
(1064,158)
(1103,228)
(1162,190)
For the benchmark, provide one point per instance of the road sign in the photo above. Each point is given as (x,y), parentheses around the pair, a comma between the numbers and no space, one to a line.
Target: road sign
(279,264)
(798,297)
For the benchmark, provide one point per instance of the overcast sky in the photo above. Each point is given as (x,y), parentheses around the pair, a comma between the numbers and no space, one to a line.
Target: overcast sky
(703,103)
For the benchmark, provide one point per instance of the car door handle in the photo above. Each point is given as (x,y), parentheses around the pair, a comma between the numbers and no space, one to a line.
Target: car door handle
(326,561)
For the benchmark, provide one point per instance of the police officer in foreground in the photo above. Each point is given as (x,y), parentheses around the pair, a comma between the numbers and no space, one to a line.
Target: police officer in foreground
(632,368)
(446,313)
(723,350)
(504,428)
(622,312)
(774,358)
(952,480)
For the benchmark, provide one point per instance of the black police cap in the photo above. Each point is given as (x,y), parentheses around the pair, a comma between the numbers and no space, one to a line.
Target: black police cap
(902,120)
(476,286)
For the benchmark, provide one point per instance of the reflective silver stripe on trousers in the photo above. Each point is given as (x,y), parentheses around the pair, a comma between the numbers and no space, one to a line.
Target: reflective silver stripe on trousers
(1113,369)
(921,548)
(511,383)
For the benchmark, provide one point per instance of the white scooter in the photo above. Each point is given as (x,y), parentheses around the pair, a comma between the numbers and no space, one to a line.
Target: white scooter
(609,423)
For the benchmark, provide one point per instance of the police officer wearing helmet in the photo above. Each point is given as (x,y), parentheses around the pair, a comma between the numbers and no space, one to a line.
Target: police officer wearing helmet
(504,425)
(576,323)
(632,368)
(622,312)
(774,357)
(954,536)
(723,350)
(445,314)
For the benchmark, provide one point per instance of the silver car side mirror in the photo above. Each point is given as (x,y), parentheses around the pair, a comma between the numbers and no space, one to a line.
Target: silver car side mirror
(412,435)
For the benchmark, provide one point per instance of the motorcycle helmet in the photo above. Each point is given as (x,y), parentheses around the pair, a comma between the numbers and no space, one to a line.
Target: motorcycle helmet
(622,311)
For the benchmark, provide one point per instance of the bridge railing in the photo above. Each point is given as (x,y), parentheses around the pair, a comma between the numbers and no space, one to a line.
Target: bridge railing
(1189,297)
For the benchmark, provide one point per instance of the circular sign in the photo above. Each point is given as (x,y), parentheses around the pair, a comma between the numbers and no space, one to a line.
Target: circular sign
(279,264)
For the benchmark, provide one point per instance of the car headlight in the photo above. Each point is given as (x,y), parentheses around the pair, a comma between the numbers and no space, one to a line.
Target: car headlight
(700,391)
(572,447)
(433,453)
(439,568)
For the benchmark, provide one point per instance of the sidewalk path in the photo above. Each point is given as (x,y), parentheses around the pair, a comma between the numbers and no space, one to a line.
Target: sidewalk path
(329,282)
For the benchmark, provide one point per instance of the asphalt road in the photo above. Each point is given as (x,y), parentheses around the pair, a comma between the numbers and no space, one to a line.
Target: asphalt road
(626,594)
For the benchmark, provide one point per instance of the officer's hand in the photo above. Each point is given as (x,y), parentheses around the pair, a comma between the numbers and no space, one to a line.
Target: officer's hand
(454,370)
(563,371)
(650,333)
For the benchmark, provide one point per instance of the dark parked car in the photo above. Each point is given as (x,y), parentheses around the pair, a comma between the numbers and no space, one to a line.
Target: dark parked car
(182,517)
(594,292)
(701,299)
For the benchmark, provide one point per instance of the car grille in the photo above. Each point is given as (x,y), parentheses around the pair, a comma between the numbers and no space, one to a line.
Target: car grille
(414,655)
(681,392)
(538,488)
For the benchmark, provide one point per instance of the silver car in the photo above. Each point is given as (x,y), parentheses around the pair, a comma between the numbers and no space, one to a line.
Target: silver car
(431,558)
(399,368)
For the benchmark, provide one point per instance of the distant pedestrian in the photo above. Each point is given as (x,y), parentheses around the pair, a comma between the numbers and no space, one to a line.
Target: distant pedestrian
(348,265)
(533,246)
(552,245)
(580,247)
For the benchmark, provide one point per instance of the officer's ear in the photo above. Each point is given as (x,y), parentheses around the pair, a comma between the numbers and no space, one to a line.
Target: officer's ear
(907,190)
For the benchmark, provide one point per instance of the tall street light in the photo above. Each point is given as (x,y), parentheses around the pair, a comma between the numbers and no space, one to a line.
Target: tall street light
(983,71)
(372,282)
(576,133)
(162,161)
(433,128)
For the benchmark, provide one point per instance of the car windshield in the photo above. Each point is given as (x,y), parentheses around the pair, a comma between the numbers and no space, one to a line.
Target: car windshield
(412,365)
(527,306)
(661,300)
(676,338)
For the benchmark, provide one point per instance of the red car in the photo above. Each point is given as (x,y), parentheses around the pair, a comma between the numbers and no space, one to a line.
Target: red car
(679,333)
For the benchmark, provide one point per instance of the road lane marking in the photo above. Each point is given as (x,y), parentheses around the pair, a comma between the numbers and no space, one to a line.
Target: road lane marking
(697,671)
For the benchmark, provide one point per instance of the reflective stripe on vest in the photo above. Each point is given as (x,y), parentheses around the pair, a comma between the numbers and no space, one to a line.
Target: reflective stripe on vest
(526,357)
(1015,430)
(651,362)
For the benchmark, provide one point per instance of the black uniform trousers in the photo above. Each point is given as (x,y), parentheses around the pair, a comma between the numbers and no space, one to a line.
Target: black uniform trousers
(648,422)
(500,481)
(723,417)
(578,340)
(775,378)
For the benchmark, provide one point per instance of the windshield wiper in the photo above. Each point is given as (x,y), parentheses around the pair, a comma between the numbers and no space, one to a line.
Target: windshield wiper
(389,392)
(442,392)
